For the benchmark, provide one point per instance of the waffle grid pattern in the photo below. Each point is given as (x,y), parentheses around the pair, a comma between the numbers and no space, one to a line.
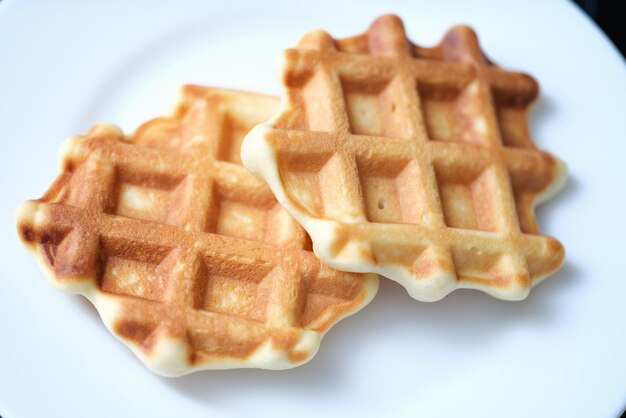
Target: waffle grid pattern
(189,245)
(418,161)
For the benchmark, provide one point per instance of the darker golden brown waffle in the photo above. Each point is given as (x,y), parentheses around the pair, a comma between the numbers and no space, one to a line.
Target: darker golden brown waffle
(412,162)
(188,258)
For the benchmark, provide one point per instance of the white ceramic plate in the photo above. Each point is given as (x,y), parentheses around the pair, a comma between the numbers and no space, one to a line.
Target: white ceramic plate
(561,352)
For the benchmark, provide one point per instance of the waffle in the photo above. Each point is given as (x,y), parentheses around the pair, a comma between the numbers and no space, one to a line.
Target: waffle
(188,258)
(411,162)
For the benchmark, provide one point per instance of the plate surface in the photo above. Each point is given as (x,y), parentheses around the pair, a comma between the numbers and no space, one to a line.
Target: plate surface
(558,353)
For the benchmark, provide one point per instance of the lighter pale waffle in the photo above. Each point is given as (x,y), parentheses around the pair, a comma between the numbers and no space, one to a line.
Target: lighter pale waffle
(411,162)
(188,258)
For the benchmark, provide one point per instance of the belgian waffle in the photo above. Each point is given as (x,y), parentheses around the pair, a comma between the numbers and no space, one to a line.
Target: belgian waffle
(411,162)
(188,258)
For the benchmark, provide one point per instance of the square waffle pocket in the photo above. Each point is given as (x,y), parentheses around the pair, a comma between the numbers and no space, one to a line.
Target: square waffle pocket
(414,163)
(188,258)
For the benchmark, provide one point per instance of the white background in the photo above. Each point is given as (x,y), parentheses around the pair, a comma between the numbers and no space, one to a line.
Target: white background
(562,352)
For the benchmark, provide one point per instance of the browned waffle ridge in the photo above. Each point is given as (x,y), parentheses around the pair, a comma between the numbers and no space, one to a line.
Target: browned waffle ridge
(188,258)
(411,162)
